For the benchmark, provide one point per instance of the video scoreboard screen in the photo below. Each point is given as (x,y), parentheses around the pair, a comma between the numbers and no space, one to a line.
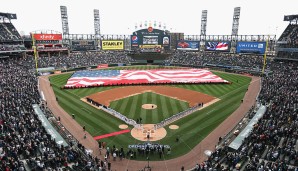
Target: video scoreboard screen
(83,45)
(150,40)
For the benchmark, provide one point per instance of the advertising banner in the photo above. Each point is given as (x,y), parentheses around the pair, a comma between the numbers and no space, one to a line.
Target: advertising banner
(218,46)
(134,40)
(251,47)
(188,45)
(82,45)
(112,44)
(150,46)
(47,36)
(102,65)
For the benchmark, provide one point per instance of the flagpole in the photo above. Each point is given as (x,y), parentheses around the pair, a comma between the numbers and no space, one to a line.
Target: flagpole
(265,57)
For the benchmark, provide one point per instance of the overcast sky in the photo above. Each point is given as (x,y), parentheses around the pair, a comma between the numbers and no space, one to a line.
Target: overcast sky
(121,16)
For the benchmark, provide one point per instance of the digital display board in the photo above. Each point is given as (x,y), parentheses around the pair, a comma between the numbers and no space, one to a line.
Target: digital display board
(251,47)
(83,45)
(188,45)
(218,46)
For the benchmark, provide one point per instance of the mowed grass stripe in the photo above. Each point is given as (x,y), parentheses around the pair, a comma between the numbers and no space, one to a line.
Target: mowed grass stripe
(155,112)
(234,99)
(145,112)
(165,111)
(174,106)
(123,105)
(133,107)
(81,115)
(137,113)
(169,107)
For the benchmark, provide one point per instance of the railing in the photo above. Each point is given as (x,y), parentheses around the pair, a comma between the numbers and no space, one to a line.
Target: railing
(178,116)
(65,134)
(113,112)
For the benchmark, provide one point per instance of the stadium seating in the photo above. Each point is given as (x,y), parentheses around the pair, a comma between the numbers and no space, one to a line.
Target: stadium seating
(272,145)
(287,41)
(8,32)
(25,144)
(226,60)
(285,35)
(81,59)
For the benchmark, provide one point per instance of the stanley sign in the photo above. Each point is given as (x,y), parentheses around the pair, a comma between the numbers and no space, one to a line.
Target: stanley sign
(112,44)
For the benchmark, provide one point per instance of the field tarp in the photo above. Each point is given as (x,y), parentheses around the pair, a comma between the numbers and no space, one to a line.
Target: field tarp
(49,128)
(247,130)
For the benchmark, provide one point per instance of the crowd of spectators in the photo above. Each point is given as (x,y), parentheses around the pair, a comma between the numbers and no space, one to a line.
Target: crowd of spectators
(273,143)
(252,62)
(289,37)
(9,32)
(82,59)
(12,47)
(24,142)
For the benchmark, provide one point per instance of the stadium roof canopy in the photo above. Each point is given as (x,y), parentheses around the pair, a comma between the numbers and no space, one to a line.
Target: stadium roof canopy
(290,17)
(8,15)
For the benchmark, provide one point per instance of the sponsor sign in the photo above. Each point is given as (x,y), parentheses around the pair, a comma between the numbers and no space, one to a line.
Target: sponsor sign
(103,66)
(47,36)
(83,45)
(112,44)
(143,146)
(251,47)
(218,46)
(57,72)
(150,46)
(134,40)
(188,45)
(45,69)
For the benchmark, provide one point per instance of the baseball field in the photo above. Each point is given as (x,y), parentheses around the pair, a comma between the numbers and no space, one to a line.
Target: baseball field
(192,129)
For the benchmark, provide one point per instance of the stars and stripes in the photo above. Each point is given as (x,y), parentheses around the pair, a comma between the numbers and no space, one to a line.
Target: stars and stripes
(220,46)
(114,77)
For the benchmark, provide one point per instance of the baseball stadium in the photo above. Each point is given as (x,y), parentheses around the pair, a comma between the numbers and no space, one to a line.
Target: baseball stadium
(154,99)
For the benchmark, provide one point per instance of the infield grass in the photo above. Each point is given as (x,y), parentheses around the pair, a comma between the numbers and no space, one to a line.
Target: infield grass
(192,129)
(132,107)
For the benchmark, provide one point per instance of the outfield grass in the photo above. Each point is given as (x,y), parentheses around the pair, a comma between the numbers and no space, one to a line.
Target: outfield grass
(193,128)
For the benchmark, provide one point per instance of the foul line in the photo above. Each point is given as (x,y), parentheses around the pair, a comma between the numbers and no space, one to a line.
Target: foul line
(111,134)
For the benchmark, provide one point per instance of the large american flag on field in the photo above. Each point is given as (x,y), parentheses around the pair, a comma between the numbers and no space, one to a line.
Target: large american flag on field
(114,77)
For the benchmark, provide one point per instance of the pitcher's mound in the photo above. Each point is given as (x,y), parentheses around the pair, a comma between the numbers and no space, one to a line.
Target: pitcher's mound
(148,129)
(123,126)
(149,106)
(173,126)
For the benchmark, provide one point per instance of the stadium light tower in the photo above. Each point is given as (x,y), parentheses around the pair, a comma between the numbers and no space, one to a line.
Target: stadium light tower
(64,19)
(203,29)
(203,22)
(96,23)
(236,18)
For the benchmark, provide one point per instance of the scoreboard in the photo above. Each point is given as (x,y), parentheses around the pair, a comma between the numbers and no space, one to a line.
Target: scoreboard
(83,45)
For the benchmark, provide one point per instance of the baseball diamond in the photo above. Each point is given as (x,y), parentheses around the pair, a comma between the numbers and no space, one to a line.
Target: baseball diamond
(192,128)
(156,96)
